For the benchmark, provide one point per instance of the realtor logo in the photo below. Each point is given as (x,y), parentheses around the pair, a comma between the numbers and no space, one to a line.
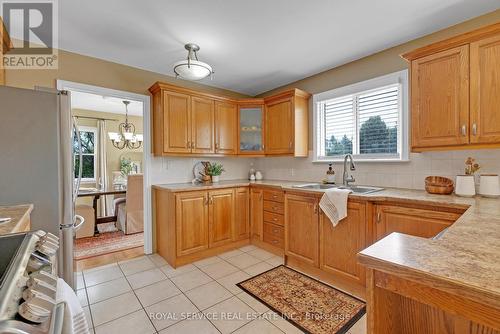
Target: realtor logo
(32,29)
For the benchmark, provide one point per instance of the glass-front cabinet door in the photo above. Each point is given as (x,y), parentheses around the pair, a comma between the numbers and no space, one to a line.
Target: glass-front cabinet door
(251,129)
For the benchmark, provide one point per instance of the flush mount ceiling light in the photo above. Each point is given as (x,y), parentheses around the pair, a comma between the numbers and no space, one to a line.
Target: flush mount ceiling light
(191,68)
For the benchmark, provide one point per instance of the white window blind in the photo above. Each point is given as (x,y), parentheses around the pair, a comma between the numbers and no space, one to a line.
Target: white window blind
(365,122)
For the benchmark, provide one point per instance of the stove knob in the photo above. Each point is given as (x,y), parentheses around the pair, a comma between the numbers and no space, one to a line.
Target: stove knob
(45,277)
(47,247)
(42,235)
(42,287)
(36,309)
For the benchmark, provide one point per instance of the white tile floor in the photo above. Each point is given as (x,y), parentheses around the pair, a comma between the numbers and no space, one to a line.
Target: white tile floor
(120,297)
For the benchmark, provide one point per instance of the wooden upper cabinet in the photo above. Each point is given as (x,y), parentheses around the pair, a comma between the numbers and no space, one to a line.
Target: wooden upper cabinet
(279,127)
(287,123)
(241,214)
(414,221)
(256,212)
(186,121)
(302,228)
(202,125)
(440,98)
(221,217)
(340,244)
(191,216)
(226,128)
(455,92)
(176,122)
(485,90)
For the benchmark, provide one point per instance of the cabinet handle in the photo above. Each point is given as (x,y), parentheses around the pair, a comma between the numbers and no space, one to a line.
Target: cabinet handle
(275,196)
(379,216)
(211,200)
(192,144)
(206,201)
(275,231)
(290,145)
(315,208)
(275,219)
(216,146)
(474,129)
(275,241)
(188,145)
(464,130)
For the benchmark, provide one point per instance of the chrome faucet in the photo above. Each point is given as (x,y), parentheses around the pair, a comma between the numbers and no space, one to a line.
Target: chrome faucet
(346,179)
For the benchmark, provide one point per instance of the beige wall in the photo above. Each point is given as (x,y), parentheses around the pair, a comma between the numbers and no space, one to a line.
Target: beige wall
(98,72)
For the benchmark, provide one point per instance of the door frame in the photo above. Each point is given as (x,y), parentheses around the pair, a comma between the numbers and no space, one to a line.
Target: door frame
(147,155)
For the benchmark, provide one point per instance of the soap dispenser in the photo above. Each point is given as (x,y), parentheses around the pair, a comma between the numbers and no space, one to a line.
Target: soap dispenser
(330,174)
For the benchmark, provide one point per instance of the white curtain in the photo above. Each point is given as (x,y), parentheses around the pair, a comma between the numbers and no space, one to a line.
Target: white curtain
(102,172)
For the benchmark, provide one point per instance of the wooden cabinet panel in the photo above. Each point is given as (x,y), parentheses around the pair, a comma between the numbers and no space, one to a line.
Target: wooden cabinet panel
(274,195)
(176,122)
(202,125)
(241,214)
(274,230)
(274,218)
(485,90)
(274,207)
(221,217)
(340,244)
(226,121)
(191,215)
(279,127)
(302,228)
(418,222)
(440,98)
(256,212)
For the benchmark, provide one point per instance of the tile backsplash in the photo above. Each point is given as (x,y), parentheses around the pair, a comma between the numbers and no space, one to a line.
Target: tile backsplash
(395,174)
(389,174)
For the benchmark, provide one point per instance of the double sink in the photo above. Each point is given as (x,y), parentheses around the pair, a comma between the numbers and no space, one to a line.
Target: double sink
(355,189)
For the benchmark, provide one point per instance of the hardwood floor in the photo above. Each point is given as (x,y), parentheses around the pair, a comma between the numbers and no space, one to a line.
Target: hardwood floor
(101,260)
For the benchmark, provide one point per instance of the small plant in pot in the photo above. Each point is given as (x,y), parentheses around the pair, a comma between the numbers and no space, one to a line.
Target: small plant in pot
(215,170)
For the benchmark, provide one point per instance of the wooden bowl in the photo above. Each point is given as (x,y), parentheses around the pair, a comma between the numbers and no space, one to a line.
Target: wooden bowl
(438,185)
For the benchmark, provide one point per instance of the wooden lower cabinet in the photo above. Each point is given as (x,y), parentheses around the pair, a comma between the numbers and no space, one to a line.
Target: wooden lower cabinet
(419,222)
(191,217)
(256,212)
(302,228)
(340,244)
(221,217)
(241,214)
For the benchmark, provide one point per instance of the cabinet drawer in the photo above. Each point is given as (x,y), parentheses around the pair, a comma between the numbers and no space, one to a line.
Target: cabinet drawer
(274,195)
(274,218)
(276,242)
(274,231)
(274,207)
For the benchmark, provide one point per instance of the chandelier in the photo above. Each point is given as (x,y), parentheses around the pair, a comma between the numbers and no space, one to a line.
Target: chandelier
(126,136)
(191,68)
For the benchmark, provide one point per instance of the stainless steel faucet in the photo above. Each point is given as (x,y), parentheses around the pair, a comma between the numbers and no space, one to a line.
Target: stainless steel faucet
(346,179)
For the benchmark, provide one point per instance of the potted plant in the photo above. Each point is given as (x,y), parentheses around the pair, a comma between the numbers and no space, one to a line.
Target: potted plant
(465,185)
(215,170)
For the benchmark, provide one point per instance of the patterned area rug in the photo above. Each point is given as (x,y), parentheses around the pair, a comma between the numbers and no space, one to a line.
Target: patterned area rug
(105,243)
(310,305)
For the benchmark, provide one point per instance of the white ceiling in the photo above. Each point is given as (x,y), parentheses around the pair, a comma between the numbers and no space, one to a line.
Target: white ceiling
(106,104)
(254,45)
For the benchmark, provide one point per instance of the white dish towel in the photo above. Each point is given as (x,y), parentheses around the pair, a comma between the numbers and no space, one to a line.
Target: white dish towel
(334,204)
(74,321)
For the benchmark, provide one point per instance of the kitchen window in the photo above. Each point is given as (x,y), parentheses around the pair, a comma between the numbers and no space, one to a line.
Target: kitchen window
(88,137)
(367,119)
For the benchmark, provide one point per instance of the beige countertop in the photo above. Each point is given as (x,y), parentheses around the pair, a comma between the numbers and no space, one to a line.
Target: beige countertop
(20,216)
(466,257)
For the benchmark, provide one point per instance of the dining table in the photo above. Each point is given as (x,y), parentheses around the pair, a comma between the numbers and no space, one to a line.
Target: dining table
(96,194)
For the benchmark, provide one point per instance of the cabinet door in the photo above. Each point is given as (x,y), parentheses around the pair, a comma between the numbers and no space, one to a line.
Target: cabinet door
(418,222)
(177,122)
(302,228)
(251,129)
(256,212)
(340,244)
(440,98)
(241,214)
(221,217)
(226,122)
(279,127)
(202,125)
(485,90)
(191,216)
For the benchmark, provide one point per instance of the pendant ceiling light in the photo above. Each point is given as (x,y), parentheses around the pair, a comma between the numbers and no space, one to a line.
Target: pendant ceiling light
(191,68)
(126,137)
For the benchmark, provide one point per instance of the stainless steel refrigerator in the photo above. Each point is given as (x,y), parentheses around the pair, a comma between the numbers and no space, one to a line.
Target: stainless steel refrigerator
(36,163)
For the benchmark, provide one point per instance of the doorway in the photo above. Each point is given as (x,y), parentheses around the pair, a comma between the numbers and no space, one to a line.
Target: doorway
(104,184)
